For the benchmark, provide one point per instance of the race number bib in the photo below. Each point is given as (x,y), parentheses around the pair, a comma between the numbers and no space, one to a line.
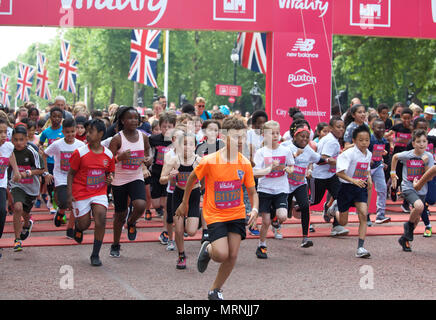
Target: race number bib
(377,152)
(297,177)
(228,194)
(4,164)
(361,171)
(65,160)
(415,169)
(136,158)
(96,179)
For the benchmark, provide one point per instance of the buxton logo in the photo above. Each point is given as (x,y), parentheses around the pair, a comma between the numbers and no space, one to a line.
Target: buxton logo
(234,10)
(370,13)
(314,5)
(120,5)
(301,78)
(5,7)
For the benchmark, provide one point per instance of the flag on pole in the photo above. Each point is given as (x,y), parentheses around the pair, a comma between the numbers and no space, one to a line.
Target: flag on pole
(143,56)
(252,51)
(5,97)
(42,83)
(67,69)
(24,81)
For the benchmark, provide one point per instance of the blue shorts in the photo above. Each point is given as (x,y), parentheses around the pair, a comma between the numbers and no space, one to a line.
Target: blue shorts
(349,194)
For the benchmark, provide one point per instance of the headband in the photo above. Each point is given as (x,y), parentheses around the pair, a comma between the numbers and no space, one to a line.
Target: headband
(305,128)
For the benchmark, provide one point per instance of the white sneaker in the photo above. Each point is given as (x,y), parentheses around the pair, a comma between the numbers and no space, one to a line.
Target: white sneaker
(362,253)
(171,245)
(380,220)
(339,231)
(331,212)
(278,233)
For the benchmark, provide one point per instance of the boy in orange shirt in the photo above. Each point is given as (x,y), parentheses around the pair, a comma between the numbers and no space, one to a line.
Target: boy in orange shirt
(224,173)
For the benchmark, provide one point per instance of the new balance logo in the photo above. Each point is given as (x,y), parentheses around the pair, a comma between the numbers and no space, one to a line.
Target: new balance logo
(304,45)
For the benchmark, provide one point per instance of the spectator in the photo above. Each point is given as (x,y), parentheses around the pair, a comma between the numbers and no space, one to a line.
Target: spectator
(200,105)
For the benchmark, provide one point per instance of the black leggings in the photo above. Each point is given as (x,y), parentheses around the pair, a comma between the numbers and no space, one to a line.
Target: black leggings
(3,210)
(302,198)
(331,184)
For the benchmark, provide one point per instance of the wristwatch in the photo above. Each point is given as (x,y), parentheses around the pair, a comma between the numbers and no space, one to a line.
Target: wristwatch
(45,174)
(28,173)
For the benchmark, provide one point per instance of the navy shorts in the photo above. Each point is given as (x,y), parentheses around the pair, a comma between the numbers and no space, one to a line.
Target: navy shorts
(349,194)
(272,202)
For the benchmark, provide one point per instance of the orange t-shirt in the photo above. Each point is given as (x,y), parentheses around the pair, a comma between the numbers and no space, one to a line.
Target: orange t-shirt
(224,199)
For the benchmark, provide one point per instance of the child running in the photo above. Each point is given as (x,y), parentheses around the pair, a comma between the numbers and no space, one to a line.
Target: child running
(415,163)
(91,168)
(130,147)
(324,175)
(160,145)
(304,155)
(180,167)
(51,134)
(24,191)
(353,170)
(272,162)
(7,158)
(61,151)
(379,147)
(223,208)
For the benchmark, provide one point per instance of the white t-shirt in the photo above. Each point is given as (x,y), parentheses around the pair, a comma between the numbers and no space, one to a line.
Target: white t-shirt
(6,150)
(254,139)
(330,147)
(61,153)
(275,182)
(298,177)
(355,164)
(106,142)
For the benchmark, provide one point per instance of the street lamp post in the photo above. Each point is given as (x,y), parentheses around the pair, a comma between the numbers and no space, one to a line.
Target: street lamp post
(235,58)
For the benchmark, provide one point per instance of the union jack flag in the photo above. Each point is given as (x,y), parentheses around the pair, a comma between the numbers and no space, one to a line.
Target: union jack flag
(5,97)
(252,51)
(24,81)
(143,56)
(42,83)
(67,69)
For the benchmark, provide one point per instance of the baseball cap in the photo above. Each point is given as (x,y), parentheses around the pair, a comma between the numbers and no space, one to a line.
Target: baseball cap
(429,110)
(225,110)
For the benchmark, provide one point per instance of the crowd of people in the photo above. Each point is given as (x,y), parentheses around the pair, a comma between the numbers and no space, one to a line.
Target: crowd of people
(238,167)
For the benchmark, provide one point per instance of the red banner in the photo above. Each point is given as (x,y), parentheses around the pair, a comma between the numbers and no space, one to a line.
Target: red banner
(228,90)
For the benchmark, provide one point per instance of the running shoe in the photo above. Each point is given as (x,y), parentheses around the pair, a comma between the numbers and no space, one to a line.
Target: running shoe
(254,231)
(171,245)
(369,223)
(405,207)
(331,212)
(181,263)
(148,215)
(1,252)
(362,253)
(115,250)
(38,203)
(382,219)
(163,238)
(306,243)
(131,232)
(405,244)
(18,246)
(261,252)
(205,236)
(70,233)
(25,233)
(203,257)
(159,211)
(95,261)
(78,235)
(278,233)
(58,219)
(215,294)
(275,222)
(427,232)
(311,228)
(339,231)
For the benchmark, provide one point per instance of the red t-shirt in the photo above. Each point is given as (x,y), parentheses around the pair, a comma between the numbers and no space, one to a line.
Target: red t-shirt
(91,168)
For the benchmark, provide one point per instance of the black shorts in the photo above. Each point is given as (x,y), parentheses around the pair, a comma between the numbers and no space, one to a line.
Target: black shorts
(170,211)
(220,230)
(194,201)
(267,202)
(61,196)
(18,195)
(134,190)
(147,180)
(157,190)
(331,185)
(349,194)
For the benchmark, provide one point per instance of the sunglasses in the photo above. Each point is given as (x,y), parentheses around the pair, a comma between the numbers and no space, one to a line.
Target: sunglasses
(201,106)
